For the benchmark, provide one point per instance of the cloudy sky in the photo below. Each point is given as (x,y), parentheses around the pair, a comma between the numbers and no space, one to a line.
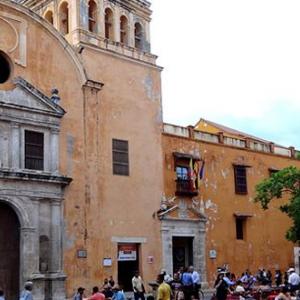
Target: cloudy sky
(235,62)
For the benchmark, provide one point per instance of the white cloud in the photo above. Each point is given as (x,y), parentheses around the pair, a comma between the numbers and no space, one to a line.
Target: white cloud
(228,60)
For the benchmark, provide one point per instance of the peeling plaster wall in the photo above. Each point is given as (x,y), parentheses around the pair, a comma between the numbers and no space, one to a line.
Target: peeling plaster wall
(129,108)
(264,244)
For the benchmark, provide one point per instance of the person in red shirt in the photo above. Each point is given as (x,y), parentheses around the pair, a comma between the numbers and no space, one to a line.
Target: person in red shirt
(96,294)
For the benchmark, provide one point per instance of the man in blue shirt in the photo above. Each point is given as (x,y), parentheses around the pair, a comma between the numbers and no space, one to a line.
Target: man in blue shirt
(187,283)
(26,293)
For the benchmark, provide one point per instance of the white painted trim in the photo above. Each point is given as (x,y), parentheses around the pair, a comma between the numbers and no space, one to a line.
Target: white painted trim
(133,240)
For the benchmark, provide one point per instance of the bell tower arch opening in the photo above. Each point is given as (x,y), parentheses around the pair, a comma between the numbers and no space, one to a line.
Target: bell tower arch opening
(109,23)
(93,16)
(64,18)
(124,30)
(49,16)
(9,251)
(138,36)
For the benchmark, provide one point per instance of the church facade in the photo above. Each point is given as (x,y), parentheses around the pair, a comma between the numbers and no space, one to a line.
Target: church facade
(89,182)
(80,100)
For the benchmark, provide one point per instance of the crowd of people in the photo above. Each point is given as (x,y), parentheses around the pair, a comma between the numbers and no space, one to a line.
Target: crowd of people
(108,290)
(184,285)
(246,286)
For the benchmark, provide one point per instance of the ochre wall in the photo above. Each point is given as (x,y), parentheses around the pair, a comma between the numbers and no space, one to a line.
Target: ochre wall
(99,205)
(128,108)
(264,244)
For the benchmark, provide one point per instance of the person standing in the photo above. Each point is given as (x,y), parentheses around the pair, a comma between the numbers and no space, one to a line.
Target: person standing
(196,282)
(221,287)
(187,283)
(278,278)
(164,290)
(1,294)
(138,286)
(111,281)
(294,279)
(26,293)
(79,294)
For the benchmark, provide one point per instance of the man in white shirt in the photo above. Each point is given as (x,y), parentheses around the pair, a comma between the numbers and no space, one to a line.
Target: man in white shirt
(196,282)
(294,279)
(138,287)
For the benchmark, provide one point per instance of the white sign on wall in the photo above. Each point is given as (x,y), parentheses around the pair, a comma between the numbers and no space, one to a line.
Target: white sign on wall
(127,253)
(212,253)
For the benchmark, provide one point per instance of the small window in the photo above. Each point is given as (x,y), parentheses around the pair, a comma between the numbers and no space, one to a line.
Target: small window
(34,150)
(240,179)
(182,173)
(120,157)
(272,171)
(239,225)
(5,67)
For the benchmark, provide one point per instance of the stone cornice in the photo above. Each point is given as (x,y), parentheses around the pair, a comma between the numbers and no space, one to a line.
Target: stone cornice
(25,175)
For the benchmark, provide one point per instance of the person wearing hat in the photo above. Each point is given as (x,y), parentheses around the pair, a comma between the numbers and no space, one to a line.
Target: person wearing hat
(118,293)
(294,279)
(26,293)
(79,294)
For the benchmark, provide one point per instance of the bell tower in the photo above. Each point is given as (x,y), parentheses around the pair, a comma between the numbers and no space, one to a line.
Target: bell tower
(122,26)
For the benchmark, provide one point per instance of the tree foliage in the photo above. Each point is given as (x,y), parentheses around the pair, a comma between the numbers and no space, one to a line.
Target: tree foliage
(283,183)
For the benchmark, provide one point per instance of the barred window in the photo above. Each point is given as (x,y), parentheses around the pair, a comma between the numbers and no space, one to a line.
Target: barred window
(120,157)
(34,150)
(240,179)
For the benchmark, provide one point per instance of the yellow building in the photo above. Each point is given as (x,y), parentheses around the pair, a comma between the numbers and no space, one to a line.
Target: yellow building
(219,196)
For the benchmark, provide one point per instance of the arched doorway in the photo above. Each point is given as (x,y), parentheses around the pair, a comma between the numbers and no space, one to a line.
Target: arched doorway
(9,252)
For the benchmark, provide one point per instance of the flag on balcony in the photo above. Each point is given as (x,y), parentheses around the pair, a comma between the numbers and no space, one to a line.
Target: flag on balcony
(192,175)
(200,173)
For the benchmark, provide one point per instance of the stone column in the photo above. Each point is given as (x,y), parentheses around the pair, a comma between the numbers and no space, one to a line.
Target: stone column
(56,242)
(117,26)
(57,278)
(191,132)
(131,31)
(15,146)
(293,152)
(101,19)
(147,37)
(54,151)
(202,254)
(167,250)
(29,254)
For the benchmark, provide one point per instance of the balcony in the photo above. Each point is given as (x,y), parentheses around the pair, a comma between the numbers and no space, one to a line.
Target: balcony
(185,187)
